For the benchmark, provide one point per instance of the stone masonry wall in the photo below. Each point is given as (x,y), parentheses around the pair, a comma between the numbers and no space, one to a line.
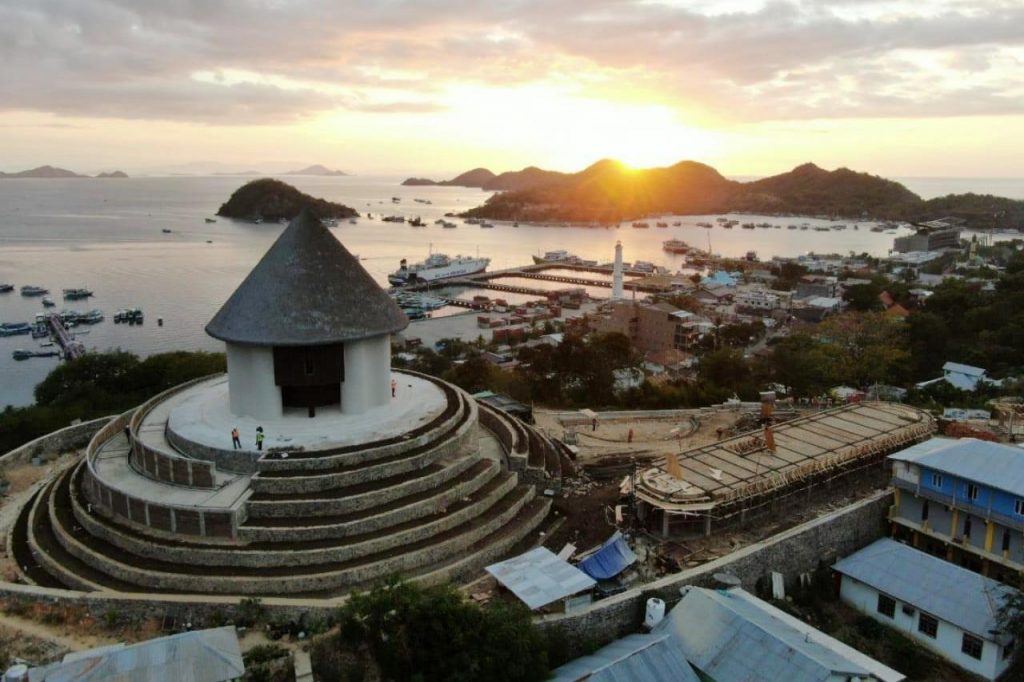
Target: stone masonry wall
(797,550)
(69,438)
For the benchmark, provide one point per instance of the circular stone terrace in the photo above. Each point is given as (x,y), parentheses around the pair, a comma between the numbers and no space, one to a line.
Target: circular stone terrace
(198,421)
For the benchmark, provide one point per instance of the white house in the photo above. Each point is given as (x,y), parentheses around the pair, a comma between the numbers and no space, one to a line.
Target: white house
(948,609)
(965,377)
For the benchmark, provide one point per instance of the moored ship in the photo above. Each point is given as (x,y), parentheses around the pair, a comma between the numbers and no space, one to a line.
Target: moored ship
(437,266)
(675,246)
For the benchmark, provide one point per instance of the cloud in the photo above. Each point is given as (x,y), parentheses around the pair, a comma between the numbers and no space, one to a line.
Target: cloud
(741,60)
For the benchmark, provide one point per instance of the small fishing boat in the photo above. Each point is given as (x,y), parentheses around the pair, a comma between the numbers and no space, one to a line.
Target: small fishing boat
(675,246)
(6,288)
(15,328)
(210,220)
(29,290)
(48,302)
(166,230)
(77,294)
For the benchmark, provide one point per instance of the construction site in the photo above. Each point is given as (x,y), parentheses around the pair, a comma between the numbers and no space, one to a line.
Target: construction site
(693,485)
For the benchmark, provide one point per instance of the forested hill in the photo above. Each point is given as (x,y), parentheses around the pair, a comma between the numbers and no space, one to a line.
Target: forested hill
(609,191)
(270,199)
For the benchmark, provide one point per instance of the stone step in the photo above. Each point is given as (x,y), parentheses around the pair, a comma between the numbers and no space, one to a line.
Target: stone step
(51,555)
(300,463)
(29,569)
(358,497)
(298,551)
(375,518)
(334,576)
(489,550)
(353,473)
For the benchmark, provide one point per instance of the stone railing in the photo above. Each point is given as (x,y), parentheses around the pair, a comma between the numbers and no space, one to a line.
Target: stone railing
(188,520)
(162,465)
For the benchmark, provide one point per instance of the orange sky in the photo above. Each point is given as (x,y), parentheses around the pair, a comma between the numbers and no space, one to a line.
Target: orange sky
(892,87)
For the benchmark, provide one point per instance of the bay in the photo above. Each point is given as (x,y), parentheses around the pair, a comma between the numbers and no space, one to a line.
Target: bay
(107,235)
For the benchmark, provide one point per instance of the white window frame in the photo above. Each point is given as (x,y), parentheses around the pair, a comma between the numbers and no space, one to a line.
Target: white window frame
(937,480)
(1018,507)
(972,492)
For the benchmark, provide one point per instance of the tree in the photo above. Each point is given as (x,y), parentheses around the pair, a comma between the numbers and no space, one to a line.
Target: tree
(415,633)
(863,348)
(864,297)
(796,364)
(1010,620)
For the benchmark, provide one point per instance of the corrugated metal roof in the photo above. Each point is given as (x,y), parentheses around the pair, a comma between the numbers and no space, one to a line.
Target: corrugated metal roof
(634,658)
(200,656)
(306,290)
(970,370)
(992,464)
(612,558)
(956,595)
(539,577)
(731,636)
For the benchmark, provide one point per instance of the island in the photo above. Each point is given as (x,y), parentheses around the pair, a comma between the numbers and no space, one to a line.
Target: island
(609,192)
(47,172)
(317,169)
(485,179)
(269,199)
(113,174)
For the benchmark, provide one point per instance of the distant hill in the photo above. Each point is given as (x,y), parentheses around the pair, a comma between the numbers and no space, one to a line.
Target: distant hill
(608,191)
(478,177)
(486,180)
(43,172)
(317,169)
(271,199)
(113,174)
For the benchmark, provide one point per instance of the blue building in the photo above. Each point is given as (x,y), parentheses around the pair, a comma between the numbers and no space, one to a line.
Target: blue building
(962,500)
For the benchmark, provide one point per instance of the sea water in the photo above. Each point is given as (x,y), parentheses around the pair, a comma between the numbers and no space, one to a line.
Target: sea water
(107,235)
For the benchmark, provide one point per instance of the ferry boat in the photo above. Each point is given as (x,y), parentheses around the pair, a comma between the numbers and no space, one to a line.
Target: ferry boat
(675,246)
(29,290)
(437,266)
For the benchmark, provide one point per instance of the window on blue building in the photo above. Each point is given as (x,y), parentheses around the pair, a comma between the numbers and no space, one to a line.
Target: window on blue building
(1018,507)
(972,491)
(936,480)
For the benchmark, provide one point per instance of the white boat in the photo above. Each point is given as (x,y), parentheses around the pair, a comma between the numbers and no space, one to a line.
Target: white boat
(437,266)
(558,256)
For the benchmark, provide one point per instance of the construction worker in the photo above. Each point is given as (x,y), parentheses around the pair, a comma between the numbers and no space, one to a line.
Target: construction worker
(236,440)
(259,437)
(394,385)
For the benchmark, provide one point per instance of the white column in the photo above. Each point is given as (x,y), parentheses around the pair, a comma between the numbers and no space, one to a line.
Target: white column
(251,382)
(367,374)
(617,274)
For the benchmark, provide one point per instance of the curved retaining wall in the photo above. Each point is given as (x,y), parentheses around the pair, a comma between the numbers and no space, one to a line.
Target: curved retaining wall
(359,502)
(450,442)
(68,438)
(141,512)
(296,583)
(160,465)
(358,454)
(444,498)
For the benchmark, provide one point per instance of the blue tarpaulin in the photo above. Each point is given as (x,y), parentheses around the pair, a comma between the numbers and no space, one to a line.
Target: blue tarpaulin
(613,558)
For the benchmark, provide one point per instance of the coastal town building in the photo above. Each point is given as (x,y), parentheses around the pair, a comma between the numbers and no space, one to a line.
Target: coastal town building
(928,240)
(964,377)
(962,500)
(651,327)
(946,608)
(726,635)
(817,286)
(197,656)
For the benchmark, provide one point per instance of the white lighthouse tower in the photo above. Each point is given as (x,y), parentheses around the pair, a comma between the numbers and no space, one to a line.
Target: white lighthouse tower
(617,274)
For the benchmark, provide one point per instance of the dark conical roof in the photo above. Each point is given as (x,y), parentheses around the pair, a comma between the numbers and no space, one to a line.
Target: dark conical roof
(307,290)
